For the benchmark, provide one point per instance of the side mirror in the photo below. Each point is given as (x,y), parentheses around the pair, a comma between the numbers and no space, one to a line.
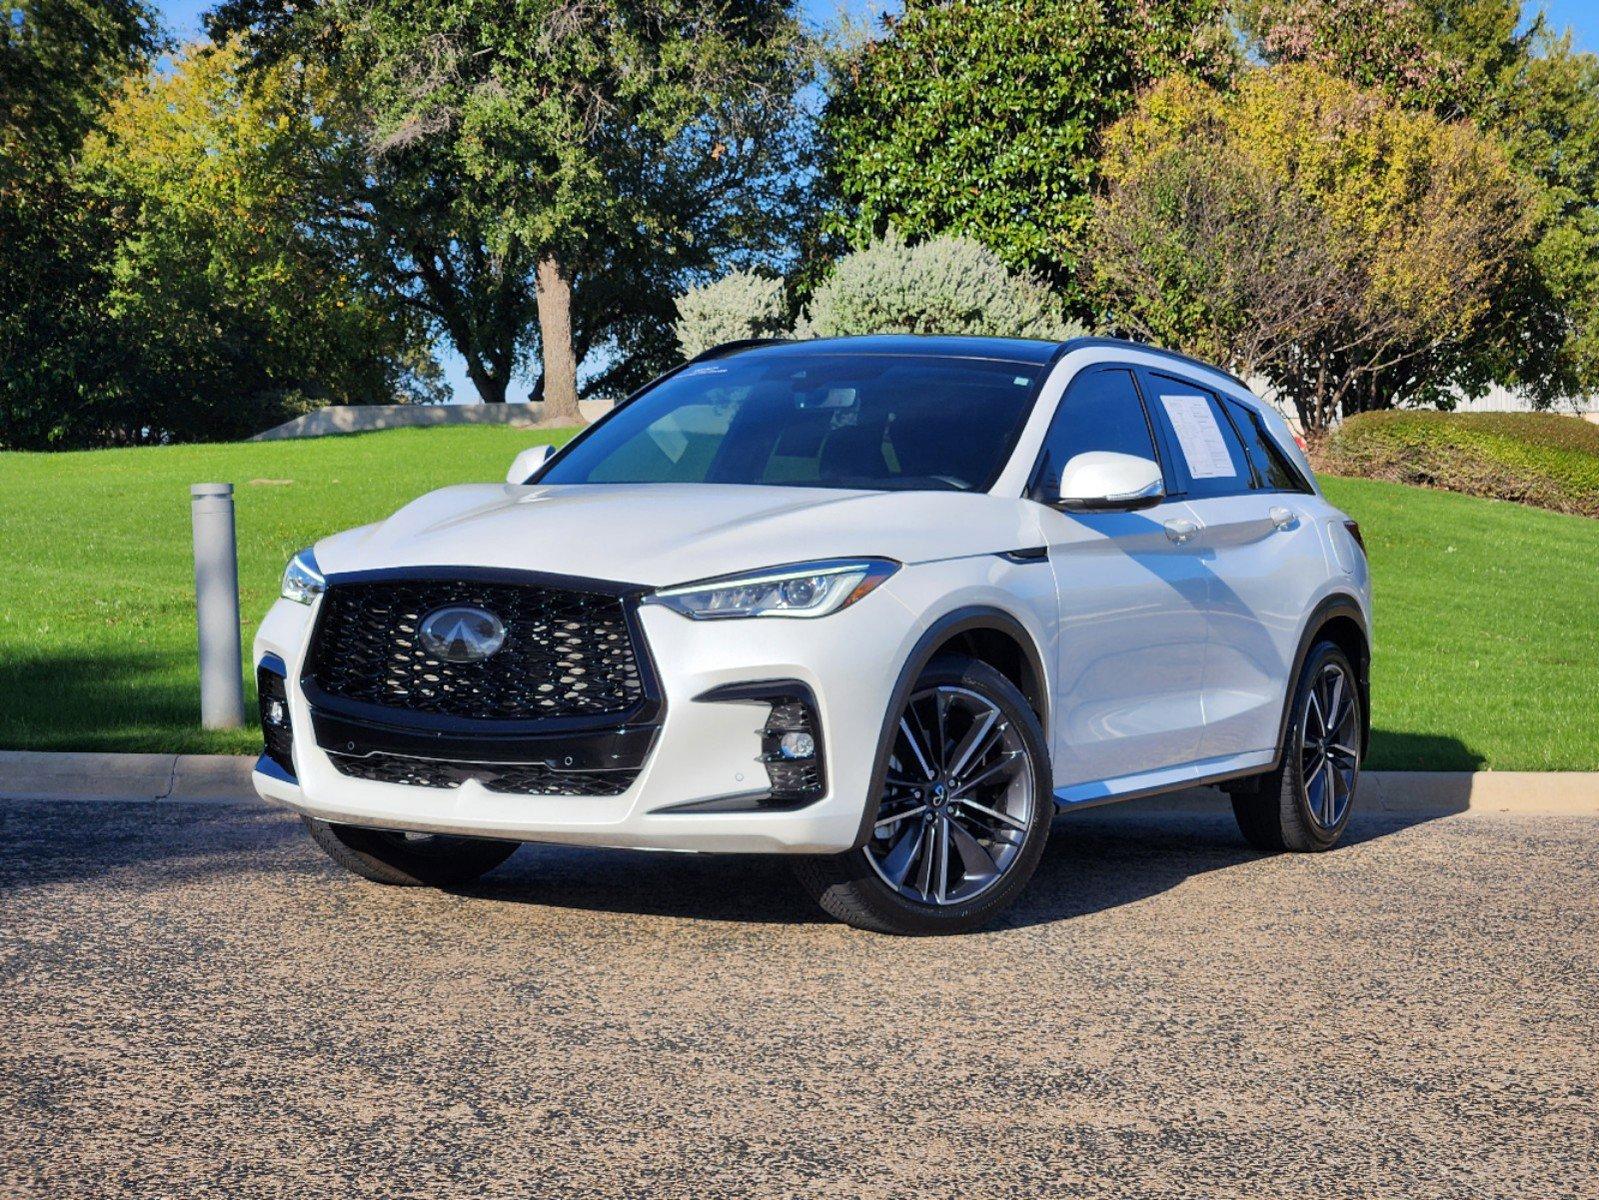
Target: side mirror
(527,463)
(1098,480)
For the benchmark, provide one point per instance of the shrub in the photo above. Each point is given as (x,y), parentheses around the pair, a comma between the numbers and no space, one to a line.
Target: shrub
(740,305)
(1532,458)
(946,285)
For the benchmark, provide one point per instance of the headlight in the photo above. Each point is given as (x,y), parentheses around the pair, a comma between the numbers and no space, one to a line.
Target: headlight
(302,579)
(811,589)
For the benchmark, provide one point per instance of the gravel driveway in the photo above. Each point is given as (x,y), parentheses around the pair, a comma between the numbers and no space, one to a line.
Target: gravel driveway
(194,1003)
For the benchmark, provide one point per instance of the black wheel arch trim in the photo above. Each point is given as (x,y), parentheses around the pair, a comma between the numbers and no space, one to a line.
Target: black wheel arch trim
(950,625)
(1332,607)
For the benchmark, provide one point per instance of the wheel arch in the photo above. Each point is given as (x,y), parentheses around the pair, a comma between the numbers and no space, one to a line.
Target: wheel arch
(983,632)
(1340,620)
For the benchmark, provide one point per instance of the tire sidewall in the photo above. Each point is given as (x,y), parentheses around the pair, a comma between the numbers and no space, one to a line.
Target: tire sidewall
(898,915)
(1293,750)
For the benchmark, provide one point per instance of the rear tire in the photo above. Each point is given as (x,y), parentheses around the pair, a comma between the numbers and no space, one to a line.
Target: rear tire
(408,860)
(963,815)
(1304,805)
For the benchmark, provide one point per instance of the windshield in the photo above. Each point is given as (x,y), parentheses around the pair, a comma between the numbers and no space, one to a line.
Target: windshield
(830,420)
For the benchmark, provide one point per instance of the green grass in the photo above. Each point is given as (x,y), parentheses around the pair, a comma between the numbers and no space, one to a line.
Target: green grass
(1486,633)
(97,642)
(1486,637)
(1544,459)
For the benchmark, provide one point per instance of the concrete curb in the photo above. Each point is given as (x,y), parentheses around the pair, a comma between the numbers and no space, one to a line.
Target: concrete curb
(181,778)
(225,779)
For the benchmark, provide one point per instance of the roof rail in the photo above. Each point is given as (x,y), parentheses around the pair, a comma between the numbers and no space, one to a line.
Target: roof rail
(725,348)
(1084,342)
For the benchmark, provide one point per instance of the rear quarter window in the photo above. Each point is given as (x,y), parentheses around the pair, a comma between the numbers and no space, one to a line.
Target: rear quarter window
(1272,468)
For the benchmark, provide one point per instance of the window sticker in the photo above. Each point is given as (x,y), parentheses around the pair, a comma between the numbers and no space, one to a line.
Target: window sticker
(1200,437)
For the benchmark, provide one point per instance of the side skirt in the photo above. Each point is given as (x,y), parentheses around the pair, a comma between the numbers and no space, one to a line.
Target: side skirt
(1167,779)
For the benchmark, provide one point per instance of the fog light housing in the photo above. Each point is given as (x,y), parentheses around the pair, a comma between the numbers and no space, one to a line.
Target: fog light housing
(277,729)
(791,739)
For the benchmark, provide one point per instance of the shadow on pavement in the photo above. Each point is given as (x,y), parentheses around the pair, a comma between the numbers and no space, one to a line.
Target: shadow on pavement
(1096,860)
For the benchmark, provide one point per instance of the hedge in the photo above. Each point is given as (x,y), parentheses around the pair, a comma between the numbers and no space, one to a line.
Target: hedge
(1543,459)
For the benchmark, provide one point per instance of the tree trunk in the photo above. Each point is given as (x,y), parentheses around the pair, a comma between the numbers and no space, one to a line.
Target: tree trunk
(555,331)
(490,388)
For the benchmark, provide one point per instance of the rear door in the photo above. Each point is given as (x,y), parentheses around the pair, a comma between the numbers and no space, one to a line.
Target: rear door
(1260,550)
(1131,641)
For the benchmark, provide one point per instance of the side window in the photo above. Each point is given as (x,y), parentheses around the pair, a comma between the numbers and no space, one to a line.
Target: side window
(1210,458)
(1271,467)
(1100,411)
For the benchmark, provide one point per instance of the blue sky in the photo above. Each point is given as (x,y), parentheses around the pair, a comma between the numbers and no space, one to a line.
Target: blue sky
(183,18)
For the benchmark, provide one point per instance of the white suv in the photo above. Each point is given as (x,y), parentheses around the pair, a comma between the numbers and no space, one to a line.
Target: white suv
(883,604)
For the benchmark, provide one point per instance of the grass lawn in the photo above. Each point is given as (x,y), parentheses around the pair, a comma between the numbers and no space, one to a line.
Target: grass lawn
(1486,634)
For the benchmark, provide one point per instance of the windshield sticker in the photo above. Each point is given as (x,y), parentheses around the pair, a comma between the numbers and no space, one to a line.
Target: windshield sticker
(1200,437)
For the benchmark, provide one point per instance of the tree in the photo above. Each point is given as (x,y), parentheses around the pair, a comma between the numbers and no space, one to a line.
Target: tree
(982,118)
(60,62)
(237,308)
(946,285)
(553,164)
(1313,232)
(1514,78)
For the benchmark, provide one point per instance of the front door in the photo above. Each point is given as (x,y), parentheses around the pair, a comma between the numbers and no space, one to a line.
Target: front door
(1131,639)
(1258,543)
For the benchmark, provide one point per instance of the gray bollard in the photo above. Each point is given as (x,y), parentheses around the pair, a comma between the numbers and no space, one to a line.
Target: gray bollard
(216,597)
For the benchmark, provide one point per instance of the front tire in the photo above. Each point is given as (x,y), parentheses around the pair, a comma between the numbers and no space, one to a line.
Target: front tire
(962,817)
(1304,805)
(408,859)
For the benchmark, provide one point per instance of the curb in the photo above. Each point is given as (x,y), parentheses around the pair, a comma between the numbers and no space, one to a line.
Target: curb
(225,779)
(126,778)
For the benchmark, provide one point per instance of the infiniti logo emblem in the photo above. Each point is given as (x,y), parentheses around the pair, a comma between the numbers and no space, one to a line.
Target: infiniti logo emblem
(462,634)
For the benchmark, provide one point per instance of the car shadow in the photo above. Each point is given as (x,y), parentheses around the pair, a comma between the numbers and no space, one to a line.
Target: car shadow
(1096,860)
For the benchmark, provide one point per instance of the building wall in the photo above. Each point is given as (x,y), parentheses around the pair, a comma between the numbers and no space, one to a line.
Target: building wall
(365,418)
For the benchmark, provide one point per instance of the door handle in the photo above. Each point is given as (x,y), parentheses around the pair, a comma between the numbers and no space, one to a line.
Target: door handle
(1180,531)
(1280,516)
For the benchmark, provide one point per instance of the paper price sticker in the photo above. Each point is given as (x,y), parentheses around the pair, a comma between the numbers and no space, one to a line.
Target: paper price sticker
(1203,447)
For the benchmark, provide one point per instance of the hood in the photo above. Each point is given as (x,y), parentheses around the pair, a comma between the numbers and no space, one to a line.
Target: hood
(660,534)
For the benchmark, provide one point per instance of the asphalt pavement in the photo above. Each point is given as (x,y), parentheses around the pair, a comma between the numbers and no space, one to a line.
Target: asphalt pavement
(195,1003)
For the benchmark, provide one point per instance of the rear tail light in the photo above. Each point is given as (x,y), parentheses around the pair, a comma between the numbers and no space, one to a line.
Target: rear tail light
(1354,532)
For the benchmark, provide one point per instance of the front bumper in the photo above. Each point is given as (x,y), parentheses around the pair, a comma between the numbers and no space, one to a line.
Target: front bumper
(706,753)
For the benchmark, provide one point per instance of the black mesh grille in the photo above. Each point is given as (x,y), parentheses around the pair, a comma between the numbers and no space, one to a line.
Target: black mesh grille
(521,778)
(566,653)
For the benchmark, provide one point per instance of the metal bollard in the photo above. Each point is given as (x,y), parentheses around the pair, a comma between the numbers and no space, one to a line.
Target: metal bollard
(216,597)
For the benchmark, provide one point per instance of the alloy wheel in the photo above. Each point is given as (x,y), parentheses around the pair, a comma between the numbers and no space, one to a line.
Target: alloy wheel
(1329,741)
(957,801)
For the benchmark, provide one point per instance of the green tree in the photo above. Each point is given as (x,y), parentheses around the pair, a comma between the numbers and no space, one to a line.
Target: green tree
(982,117)
(547,175)
(60,62)
(1302,228)
(1484,61)
(239,307)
